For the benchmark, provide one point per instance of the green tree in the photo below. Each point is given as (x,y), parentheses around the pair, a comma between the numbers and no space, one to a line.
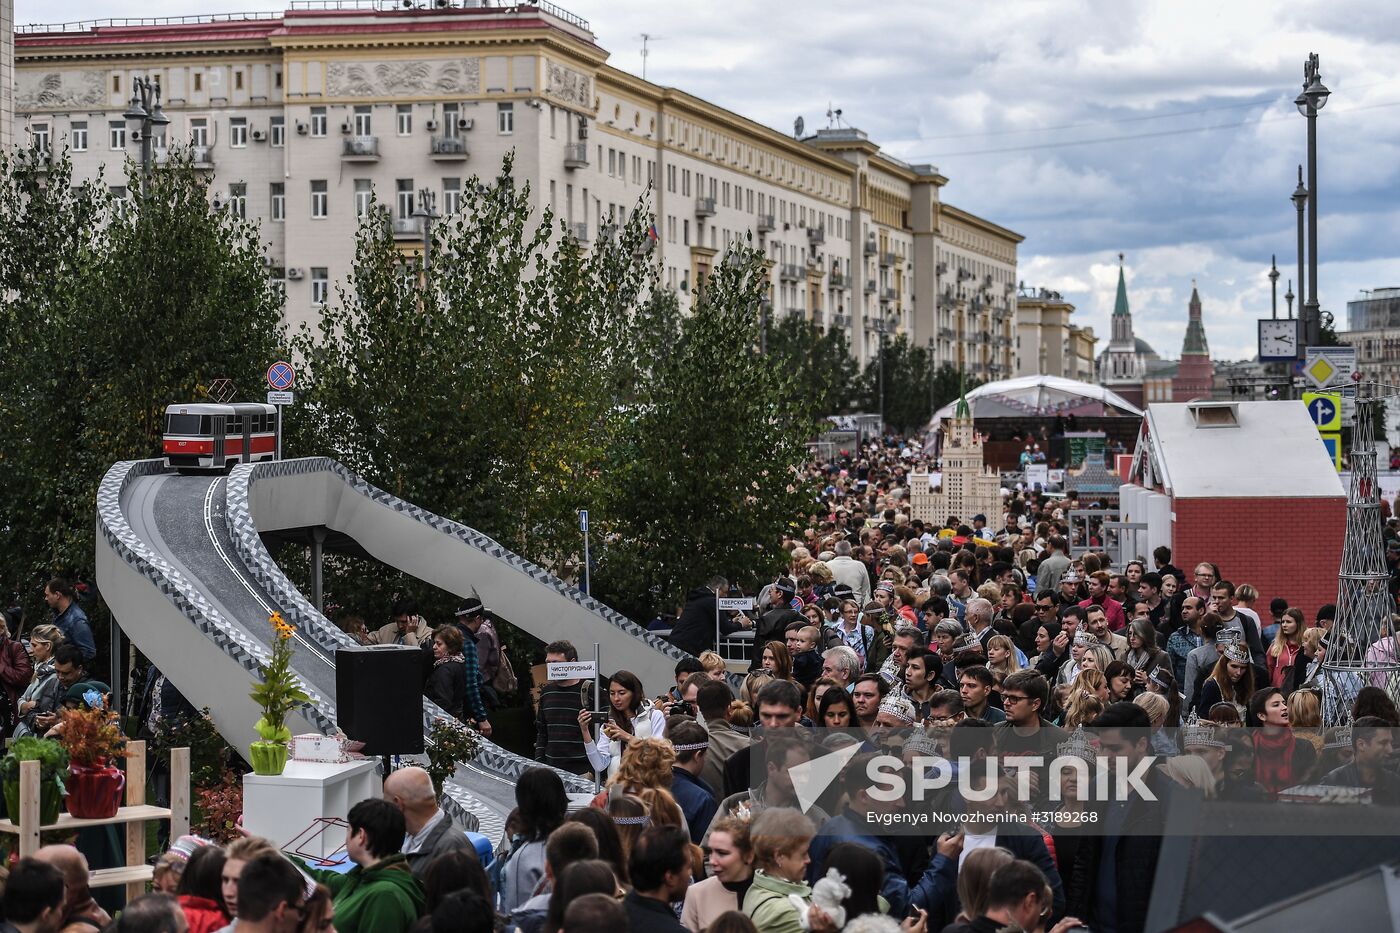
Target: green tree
(117,308)
(820,361)
(912,389)
(705,475)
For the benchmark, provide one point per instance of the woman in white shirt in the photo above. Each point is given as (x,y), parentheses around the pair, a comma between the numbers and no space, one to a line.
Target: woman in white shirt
(630,716)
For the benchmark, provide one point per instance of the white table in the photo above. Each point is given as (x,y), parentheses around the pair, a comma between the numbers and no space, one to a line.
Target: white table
(282,807)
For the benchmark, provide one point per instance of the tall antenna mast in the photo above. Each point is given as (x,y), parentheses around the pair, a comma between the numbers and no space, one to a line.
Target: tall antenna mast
(647,37)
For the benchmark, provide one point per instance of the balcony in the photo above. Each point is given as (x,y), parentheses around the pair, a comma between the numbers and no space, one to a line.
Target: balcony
(838,280)
(704,207)
(576,156)
(816,235)
(887,258)
(947,333)
(791,272)
(578,232)
(449,148)
(360,149)
(817,317)
(765,223)
(871,248)
(870,287)
(840,321)
(889,294)
(407,228)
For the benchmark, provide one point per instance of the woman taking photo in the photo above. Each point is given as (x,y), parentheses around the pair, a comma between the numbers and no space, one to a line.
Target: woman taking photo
(1287,646)
(42,694)
(1232,682)
(731,873)
(629,717)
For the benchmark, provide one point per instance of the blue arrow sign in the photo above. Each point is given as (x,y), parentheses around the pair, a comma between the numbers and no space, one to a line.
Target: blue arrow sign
(1322,410)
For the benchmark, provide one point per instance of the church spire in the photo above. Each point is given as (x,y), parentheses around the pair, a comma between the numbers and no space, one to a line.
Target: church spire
(1195,342)
(1120,305)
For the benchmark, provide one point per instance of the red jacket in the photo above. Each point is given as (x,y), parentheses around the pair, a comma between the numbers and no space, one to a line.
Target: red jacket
(16,671)
(202,914)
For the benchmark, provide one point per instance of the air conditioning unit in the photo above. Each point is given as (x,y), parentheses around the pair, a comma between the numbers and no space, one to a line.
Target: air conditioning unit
(303,128)
(464,123)
(259,135)
(347,128)
(431,126)
(293,273)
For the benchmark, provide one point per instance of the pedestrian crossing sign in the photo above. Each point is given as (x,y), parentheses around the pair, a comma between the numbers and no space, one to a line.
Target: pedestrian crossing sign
(1333,442)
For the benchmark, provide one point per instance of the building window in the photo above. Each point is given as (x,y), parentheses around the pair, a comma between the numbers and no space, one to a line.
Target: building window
(685,183)
(364,121)
(199,132)
(277,78)
(404,114)
(238,132)
(116,84)
(198,81)
(505,119)
(277,132)
(116,135)
(39,133)
(612,162)
(452,195)
(403,189)
(238,80)
(318,121)
(320,285)
(364,194)
(78,136)
(238,199)
(279,201)
(319,200)
(450,114)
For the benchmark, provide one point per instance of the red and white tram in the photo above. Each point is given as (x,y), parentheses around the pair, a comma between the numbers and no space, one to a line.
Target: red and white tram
(211,437)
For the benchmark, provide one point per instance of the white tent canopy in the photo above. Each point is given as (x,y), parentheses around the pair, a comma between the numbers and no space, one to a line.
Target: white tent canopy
(1041,397)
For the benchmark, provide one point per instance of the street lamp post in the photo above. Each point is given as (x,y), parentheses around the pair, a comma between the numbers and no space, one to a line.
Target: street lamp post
(427,210)
(145,111)
(1300,202)
(1312,99)
(1273,285)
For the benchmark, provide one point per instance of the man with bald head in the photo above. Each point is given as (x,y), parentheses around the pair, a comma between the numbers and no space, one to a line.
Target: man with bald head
(80,912)
(429,831)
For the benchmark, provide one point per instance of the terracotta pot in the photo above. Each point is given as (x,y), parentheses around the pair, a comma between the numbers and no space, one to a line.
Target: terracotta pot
(95,793)
(269,758)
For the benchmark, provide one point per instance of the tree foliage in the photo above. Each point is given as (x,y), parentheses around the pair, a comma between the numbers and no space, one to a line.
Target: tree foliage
(112,308)
(820,361)
(912,389)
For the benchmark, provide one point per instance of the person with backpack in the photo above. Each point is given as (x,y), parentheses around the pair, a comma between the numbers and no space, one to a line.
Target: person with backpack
(474,707)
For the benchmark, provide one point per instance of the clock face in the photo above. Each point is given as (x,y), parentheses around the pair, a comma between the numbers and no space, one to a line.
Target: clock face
(1278,339)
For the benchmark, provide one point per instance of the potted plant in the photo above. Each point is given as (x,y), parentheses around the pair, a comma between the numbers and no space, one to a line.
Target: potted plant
(93,738)
(53,765)
(451,742)
(278,694)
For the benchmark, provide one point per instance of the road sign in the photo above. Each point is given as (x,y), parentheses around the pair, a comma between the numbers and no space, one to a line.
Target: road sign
(281,376)
(1329,367)
(1324,409)
(570,670)
(583,520)
(740,603)
(281,398)
(1333,443)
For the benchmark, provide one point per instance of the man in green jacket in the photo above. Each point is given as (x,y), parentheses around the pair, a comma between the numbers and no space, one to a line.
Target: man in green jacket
(380,894)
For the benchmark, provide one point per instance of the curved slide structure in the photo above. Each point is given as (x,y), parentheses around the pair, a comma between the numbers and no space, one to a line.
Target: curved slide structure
(181,563)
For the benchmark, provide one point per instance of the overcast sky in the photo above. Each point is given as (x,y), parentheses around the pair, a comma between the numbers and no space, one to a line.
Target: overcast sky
(1163,130)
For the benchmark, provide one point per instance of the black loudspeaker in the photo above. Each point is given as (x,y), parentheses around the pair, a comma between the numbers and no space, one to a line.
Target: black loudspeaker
(379,697)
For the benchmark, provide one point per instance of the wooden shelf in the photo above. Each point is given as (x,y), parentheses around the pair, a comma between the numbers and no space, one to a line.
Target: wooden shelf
(132,874)
(138,814)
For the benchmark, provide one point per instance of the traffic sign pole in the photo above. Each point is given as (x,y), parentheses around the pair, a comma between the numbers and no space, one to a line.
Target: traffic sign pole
(280,379)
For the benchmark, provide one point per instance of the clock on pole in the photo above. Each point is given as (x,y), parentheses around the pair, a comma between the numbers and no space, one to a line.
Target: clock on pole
(1278,339)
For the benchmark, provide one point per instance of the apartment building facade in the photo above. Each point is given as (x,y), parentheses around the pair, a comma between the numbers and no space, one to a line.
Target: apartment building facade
(302,117)
(1048,342)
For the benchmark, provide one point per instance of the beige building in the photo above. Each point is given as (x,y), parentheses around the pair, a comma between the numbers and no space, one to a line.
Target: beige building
(300,117)
(966,487)
(1048,342)
(7,73)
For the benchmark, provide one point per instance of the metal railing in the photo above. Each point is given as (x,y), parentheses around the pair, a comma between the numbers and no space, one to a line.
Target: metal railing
(791,272)
(871,248)
(1115,543)
(816,234)
(704,207)
(887,258)
(451,146)
(870,287)
(579,231)
(360,147)
(87,25)
(407,226)
(765,223)
(838,280)
(888,294)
